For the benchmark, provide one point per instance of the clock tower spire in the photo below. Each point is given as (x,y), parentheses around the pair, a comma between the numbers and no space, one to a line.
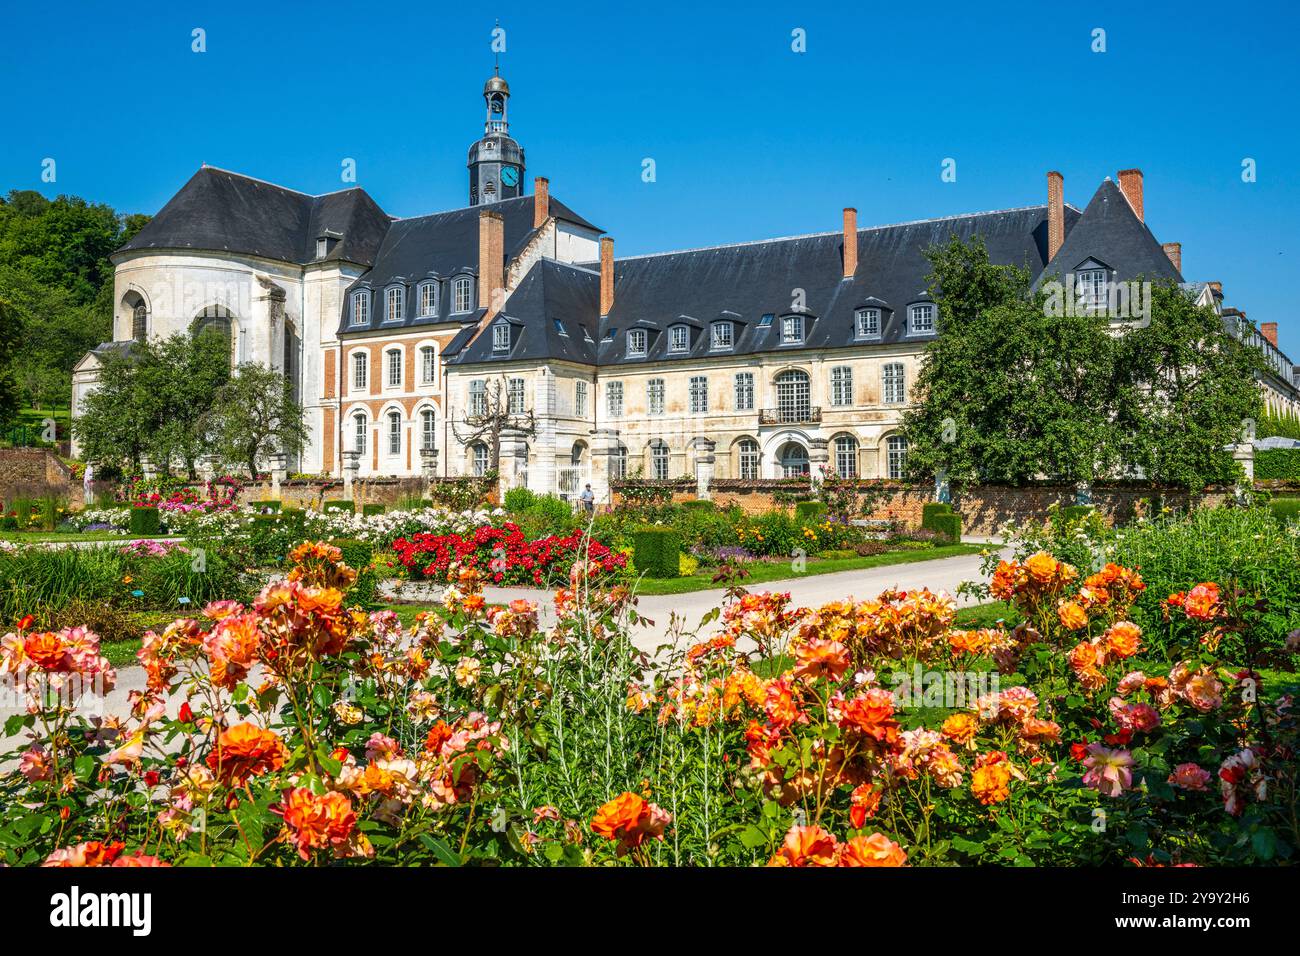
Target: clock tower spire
(496,162)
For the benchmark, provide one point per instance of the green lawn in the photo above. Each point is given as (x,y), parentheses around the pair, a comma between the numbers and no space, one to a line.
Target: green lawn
(987,615)
(764,572)
(40,537)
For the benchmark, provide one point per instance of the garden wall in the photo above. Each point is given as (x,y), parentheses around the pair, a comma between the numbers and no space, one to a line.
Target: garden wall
(32,472)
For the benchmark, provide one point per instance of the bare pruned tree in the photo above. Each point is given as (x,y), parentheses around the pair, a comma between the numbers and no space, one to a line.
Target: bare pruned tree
(490,412)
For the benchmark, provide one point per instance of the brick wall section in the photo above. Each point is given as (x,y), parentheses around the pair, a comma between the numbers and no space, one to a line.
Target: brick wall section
(35,471)
(330,358)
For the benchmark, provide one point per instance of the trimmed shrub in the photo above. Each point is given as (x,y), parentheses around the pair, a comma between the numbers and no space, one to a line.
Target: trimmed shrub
(1278,463)
(145,521)
(357,554)
(808,511)
(267,506)
(8,523)
(338,504)
(519,500)
(373,508)
(1285,510)
(698,505)
(655,551)
(932,509)
(948,526)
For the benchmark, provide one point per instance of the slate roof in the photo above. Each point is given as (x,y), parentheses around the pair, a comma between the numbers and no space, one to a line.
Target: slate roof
(552,314)
(1111,233)
(443,245)
(221,211)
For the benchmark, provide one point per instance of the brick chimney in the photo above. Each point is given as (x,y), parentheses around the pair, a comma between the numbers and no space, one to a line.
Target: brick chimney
(541,201)
(1055,214)
(491,260)
(1269,331)
(606,274)
(1217,287)
(850,242)
(1130,183)
(1174,250)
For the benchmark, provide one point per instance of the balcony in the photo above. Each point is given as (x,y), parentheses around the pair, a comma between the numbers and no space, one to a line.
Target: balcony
(811,415)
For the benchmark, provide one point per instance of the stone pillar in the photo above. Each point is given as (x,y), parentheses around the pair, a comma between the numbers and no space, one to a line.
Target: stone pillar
(351,468)
(429,469)
(818,458)
(1244,454)
(704,461)
(604,449)
(543,474)
(279,464)
(514,460)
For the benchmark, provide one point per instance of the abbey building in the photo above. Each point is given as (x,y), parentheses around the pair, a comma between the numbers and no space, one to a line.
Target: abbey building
(409,342)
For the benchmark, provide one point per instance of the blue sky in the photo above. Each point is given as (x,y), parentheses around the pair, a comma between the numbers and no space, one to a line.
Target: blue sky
(750,139)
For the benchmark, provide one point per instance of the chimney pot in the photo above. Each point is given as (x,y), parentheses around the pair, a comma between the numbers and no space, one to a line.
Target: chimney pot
(1055,214)
(1217,287)
(1269,331)
(1174,250)
(606,274)
(1130,183)
(850,242)
(491,261)
(541,201)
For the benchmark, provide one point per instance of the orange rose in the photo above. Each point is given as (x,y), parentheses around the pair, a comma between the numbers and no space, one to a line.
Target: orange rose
(244,751)
(317,821)
(961,728)
(821,658)
(1123,638)
(863,803)
(990,784)
(1073,617)
(874,850)
(46,650)
(629,819)
(805,846)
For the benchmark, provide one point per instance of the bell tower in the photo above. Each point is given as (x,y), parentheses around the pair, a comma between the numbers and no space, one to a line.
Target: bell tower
(496,162)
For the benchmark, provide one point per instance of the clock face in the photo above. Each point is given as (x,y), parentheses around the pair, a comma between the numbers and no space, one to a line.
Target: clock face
(510,176)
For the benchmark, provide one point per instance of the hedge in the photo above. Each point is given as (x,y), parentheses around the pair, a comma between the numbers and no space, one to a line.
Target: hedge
(931,510)
(805,511)
(357,554)
(372,509)
(1277,463)
(338,504)
(948,525)
(145,521)
(698,505)
(655,551)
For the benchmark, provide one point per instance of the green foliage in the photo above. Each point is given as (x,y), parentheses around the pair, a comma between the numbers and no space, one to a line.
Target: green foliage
(1285,510)
(807,511)
(254,415)
(698,504)
(948,526)
(359,555)
(1278,464)
(932,509)
(1076,512)
(655,552)
(1015,388)
(338,504)
(519,500)
(145,521)
(1271,425)
(373,508)
(544,515)
(266,505)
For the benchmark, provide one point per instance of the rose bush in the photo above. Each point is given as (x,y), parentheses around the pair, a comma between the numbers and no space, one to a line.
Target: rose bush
(295,730)
(504,555)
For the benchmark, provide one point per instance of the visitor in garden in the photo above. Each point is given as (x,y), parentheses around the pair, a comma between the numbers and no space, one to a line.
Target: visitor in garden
(588,499)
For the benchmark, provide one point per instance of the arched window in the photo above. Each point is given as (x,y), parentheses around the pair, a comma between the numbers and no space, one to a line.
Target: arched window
(359,432)
(462,298)
(478,453)
(846,456)
(793,402)
(896,456)
(394,304)
(794,459)
(139,315)
(428,429)
(659,459)
(360,307)
(394,433)
(577,454)
(215,318)
(747,459)
(429,299)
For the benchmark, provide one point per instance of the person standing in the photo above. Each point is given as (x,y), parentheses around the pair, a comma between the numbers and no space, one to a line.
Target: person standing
(588,499)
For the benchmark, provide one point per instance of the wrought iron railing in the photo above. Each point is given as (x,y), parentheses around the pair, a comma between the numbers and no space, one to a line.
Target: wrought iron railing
(810,415)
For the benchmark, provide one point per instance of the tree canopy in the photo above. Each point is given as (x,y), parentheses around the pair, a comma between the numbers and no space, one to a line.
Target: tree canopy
(1013,391)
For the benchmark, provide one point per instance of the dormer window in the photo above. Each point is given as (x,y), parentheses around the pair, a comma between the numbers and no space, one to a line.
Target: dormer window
(609,334)
(586,336)
(559,327)
(501,337)
(721,333)
(322,248)
(636,342)
(1091,285)
(766,320)
(360,308)
(920,319)
(867,323)
(792,330)
(429,299)
(394,304)
(462,294)
(679,339)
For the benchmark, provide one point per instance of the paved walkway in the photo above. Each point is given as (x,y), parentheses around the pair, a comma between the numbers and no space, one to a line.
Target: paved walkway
(684,611)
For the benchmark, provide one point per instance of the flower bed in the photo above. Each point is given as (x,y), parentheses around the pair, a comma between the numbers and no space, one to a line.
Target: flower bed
(504,555)
(872,733)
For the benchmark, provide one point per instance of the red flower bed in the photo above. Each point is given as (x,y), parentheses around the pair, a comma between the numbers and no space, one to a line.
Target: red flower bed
(503,554)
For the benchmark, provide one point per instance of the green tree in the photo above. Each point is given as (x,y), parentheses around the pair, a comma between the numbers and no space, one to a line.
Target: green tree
(1010,390)
(116,417)
(10,333)
(254,415)
(180,378)
(1186,388)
